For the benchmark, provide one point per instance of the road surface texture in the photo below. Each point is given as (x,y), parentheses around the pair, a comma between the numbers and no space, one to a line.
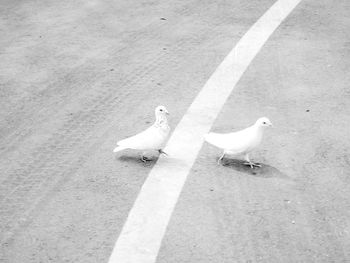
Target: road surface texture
(76,76)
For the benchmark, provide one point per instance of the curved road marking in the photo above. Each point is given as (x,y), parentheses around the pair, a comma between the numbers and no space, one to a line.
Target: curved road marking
(141,236)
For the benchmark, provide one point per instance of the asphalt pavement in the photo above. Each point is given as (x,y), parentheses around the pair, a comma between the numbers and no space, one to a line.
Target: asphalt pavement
(76,76)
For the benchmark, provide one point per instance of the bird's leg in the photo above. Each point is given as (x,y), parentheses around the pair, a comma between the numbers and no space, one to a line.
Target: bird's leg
(162,152)
(221,157)
(251,164)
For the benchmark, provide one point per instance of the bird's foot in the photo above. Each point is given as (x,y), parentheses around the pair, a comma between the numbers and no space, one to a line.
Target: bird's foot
(144,159)
(162,152)
(252,165)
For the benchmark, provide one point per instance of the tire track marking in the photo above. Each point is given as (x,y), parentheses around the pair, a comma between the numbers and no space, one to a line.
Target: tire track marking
(49,101)
(34,180)
(106,95)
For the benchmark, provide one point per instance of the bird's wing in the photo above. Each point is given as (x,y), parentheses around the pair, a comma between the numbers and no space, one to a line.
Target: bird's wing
(217,139)
(235,142)
(150,138)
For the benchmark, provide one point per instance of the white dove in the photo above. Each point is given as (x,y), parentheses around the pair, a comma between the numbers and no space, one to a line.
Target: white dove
(240,142)
(152,138)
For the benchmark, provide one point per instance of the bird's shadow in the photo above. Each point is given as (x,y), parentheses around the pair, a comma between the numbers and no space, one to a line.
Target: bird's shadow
(265,171)
(137,160)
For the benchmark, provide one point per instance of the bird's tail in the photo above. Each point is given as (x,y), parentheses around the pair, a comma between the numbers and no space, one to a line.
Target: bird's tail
(212,138)
(118,148)
(208,137)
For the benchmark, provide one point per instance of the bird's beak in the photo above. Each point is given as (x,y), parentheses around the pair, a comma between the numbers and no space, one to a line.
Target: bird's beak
(271,124)
(167,113)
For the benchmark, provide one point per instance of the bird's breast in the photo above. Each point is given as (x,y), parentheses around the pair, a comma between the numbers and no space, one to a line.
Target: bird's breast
(164,128)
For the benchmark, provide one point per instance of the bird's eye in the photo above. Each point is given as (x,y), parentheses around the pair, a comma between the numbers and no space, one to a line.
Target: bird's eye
(264,122)
(161,110)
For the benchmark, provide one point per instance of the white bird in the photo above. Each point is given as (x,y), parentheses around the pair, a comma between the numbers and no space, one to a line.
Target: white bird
(152,138)
(240,142)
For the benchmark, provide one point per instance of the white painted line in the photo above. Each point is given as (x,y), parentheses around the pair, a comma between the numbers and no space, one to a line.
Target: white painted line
(141,236)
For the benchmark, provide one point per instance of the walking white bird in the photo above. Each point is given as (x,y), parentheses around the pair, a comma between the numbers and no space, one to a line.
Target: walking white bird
(152,138)
(240,142)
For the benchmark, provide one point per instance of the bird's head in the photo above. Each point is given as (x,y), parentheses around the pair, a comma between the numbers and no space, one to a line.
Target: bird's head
(161,111)
(263,122)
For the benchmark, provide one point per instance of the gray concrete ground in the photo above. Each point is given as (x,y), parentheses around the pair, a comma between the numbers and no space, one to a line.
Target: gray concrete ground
(75,76)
